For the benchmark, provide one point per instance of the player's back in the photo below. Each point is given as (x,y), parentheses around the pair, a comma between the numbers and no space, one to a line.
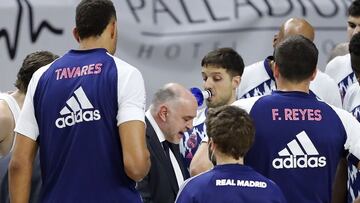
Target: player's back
(230,183)
(298,143)
(76,107)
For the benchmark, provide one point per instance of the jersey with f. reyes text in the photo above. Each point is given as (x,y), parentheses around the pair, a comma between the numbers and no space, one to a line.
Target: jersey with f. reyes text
(299,141)
(73,109)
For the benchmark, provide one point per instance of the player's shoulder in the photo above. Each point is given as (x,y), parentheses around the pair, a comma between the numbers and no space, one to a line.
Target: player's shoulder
(123,65)
(323,81)
(323,77)
(339,59)
(203,179)
(345,116)
(334,64)
(197,182)
(255,67)
(247,103)
(6,117)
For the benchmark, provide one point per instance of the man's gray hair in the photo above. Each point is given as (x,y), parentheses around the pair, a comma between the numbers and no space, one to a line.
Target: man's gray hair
(163,95)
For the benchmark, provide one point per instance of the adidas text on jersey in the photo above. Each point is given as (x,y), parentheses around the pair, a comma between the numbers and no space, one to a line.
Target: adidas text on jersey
(297,158)
(81,111)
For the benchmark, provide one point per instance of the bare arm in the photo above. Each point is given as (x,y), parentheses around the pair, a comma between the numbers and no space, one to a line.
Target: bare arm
(7,125)
(20,169)
(200,161)
(135,152)
(339,187)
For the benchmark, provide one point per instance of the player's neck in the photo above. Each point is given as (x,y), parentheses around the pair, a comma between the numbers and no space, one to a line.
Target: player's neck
(286,86)
(232,98)
(19,97)
(93,43)
(222,159)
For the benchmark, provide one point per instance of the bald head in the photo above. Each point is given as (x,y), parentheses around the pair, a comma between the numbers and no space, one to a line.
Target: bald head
(294,26)
(181,91)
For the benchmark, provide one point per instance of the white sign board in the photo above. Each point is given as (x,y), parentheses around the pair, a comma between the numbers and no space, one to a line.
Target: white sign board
(166,39)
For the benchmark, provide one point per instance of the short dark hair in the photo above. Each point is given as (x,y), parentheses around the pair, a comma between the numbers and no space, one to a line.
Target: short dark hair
(354,9)
(231,129)
(31,63)
(92,17)
(296,58)
(226,58)
(354,49)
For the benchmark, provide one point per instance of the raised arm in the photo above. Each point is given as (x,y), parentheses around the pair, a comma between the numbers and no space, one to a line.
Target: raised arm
(200,162)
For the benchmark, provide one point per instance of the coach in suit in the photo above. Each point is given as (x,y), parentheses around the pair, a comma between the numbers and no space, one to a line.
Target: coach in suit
(170,114)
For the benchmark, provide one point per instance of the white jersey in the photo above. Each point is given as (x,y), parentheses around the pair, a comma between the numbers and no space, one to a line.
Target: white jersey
(352,104)
(258,80)
(352,100)
(192,138)
(340,70)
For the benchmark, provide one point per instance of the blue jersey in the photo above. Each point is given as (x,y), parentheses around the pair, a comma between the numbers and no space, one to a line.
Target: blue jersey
(299,141)
(73,109)
(230,183)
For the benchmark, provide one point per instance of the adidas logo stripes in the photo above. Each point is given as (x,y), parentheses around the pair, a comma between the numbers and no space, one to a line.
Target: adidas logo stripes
(299,153)
(78,109)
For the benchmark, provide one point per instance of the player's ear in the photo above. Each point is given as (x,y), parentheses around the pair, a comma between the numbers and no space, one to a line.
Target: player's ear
(236,81)
(76,34)
(313,75)
(276,70)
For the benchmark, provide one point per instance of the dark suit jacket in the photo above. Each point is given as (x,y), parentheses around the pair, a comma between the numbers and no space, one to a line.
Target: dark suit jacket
(160,185)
